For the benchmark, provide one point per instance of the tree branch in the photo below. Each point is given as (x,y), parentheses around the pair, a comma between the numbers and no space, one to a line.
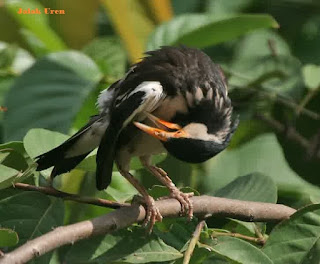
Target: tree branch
(126,216)
(69,196)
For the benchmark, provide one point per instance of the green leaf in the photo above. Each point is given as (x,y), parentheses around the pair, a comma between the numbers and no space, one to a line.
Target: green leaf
(237,250)
(109,55)
(311,76)
(296,240)
(7,176)
(203,30)
(13,61)
(122,246)
(13,145)
(219,7)
(38,24)
(8,237)
(50,93)
(253,187)
(14,58)
(31,214)
(39,140)
(176,232)
(264,58)
(262,154)
(14,160)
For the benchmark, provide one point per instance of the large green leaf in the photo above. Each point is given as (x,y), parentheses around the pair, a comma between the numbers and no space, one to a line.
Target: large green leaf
(109,55)
(264,58)
(13,61)
(253,187)
(50,93)
(38,24)
(264,155)
(123,246)
(203,30)
(296,240)
(8,237)
(237,250)
(31,214)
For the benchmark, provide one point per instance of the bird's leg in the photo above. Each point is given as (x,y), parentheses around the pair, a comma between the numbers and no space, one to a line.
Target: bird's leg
(152,212)
(162,176)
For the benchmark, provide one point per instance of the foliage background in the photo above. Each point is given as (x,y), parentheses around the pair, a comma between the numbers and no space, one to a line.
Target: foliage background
(52,67)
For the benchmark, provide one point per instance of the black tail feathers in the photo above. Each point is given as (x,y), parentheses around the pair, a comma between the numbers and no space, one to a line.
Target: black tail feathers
(56,158)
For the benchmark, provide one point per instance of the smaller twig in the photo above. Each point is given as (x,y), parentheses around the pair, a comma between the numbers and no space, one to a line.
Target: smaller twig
(273,48)
(193,242)
(257,231)
(257,240)
(280,128)
(71,197)
(1,254)
(6,150)
(306,100)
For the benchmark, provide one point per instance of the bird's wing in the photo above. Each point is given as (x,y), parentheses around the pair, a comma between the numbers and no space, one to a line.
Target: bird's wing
(128,106)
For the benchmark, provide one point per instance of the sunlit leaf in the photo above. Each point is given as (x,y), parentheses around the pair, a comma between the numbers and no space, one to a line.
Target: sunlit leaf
(50,93)
(236,250)
(253,187)
(124,246)
(262,154)
(8,237)
(296,240)
(202,30)
(311,76)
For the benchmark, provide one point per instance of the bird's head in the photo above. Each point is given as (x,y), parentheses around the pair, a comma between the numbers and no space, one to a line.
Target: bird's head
(193,142)
(206,127)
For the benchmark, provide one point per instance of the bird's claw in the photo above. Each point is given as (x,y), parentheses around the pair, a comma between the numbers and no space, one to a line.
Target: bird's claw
(183,199)
(152,213)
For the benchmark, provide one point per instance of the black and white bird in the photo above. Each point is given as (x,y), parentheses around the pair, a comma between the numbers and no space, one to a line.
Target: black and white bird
(175,100)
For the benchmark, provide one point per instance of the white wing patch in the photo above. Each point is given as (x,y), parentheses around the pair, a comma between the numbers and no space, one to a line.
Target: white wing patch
(153,95)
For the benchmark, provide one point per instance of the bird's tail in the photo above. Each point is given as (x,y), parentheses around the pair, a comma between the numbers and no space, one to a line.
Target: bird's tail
(70,153)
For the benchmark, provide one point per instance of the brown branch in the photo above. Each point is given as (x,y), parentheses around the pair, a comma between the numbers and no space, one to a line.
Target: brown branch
(69,196)
(123,217)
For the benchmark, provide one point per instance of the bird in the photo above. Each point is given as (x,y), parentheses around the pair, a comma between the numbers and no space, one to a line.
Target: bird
(175,100)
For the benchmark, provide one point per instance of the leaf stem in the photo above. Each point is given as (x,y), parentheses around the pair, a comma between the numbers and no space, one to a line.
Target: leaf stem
(257,240)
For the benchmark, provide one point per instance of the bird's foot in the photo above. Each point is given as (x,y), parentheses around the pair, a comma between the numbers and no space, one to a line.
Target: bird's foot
(183,199)
(152,212)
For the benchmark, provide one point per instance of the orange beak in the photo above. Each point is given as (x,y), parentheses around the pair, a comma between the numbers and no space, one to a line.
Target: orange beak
(159,133)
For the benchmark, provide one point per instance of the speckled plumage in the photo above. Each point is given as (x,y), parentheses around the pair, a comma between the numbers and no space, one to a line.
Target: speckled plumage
(176,84)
